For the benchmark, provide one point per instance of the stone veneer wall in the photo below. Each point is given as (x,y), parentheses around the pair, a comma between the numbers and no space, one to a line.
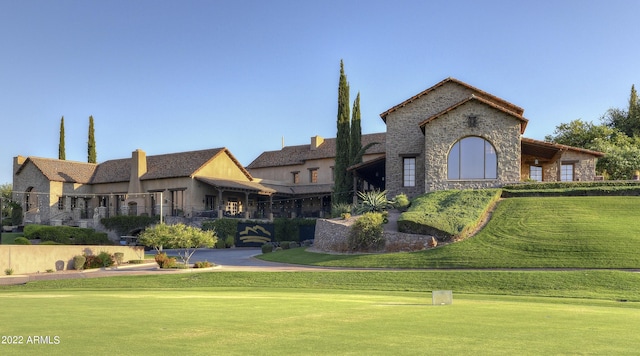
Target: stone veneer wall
(405,139)
(584,167)
(331,236)
(499,128)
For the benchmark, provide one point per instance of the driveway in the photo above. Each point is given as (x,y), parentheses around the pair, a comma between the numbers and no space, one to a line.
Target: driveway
(231,259)
(241,259)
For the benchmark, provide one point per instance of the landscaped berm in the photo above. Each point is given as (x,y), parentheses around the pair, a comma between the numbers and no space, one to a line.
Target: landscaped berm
(553,271)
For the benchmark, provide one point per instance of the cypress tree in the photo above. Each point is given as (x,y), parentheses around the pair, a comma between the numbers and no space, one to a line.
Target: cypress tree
(91,146)
(633,118)
(341,187)
(61,150)
(356,133)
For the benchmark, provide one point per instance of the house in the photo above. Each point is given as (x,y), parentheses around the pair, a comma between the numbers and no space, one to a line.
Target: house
(455,136)
(205,183)
(449,136)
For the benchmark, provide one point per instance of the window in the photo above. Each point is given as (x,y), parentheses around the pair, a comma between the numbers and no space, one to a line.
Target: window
(472,158)
(566,172)
(60,203)
(296,177)
(177,203)
(409,172)
(313,175)
(535,173)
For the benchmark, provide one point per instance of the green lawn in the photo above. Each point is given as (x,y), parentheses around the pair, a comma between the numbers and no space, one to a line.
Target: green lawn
(318,313)
(554,232)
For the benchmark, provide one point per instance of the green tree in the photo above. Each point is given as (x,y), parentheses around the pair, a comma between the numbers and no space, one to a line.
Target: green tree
(355,143)
(179,236)
(156,237)
(627,121)
(578,133)
(342,184)
(61,149)
(5,197)
(621,159)
(91,146)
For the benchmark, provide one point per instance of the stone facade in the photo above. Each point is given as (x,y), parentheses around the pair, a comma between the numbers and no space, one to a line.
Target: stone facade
(405,139)
(428,125)
(331,236)
(500,129)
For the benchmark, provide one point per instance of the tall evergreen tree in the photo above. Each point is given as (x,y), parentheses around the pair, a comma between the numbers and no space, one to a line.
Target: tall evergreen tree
(91,146)
(342,184)
(356,134)
(634,112)
(61,150)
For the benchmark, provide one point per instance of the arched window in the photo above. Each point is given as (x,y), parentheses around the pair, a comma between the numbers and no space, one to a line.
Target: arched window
(472,158)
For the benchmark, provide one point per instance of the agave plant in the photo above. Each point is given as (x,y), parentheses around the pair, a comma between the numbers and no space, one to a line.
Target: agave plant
(373,201)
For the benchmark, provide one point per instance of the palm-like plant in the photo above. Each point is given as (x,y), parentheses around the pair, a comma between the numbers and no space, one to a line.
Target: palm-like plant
(373,201)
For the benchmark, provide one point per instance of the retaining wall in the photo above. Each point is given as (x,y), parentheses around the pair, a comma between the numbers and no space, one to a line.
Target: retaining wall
(331,236)
(40,258)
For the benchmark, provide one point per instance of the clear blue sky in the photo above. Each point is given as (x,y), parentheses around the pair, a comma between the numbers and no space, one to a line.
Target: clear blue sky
(173,76)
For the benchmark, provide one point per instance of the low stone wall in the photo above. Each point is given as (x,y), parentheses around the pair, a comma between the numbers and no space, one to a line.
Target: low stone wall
(331,236)
(40,258)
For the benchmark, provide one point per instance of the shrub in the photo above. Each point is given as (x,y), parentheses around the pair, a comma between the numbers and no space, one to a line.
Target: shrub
(92,262)
(49,243)
(268,247)
(125,224)
(373,201)
(366,234)
(293,244)
(106,258)
(8,271)
(222,227)
(230,241)
(21,241)
(345,216)
(285,245)
(165,261)
(118,256)
(401,202)
(202,264)
(220,244)
(341,208)
(78,262)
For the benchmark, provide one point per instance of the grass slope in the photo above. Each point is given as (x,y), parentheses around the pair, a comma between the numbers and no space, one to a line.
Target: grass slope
(554,232)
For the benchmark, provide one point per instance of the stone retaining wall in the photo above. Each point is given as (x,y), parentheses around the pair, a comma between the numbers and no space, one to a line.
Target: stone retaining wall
(331,236)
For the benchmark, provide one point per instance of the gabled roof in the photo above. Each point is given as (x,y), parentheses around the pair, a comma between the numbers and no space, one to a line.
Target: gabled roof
(295,155)
(546,149)
(60,170)
(523,121)
(480,93)
(171,165)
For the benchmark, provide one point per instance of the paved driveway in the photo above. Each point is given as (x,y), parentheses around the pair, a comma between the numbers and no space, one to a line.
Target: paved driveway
(241,259)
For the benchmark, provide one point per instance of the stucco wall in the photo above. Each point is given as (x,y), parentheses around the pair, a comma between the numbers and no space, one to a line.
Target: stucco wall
(40,258)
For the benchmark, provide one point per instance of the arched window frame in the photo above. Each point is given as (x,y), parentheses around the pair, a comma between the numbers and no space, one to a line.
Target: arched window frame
(466,162)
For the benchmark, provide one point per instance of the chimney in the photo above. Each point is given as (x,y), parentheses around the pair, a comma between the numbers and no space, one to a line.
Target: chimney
(138,169)
(316,141)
